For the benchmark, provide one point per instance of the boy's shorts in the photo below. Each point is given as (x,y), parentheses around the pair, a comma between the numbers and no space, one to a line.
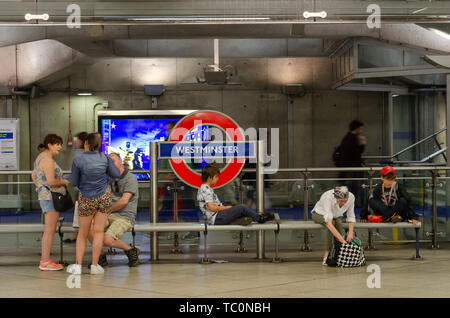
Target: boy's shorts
(89,206)
(116,226)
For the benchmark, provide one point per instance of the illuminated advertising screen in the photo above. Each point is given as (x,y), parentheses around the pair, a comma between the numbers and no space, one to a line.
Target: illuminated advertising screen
(130,136)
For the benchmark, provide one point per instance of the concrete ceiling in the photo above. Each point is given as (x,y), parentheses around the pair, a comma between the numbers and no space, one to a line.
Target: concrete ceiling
(247,28)
(303,39)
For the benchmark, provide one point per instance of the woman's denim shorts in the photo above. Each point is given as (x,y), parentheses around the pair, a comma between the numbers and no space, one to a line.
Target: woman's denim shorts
(46,205)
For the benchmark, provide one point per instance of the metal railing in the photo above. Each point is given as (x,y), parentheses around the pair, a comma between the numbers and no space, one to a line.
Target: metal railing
(306,187)
(426,159)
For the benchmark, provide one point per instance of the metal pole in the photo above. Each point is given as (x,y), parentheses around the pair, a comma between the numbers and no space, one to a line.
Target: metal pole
(305,211)
(176,245)
(154,198)
(260,197)
(241,248)
(391,123)
(370,231)
(290,118)
(434,241)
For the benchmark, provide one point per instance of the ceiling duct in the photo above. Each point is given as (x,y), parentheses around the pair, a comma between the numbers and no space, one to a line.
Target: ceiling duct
(214,74)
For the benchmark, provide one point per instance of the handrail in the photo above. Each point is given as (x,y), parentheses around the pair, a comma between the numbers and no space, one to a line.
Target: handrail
(433,167)
(437,153)
(407,148)
(434,184)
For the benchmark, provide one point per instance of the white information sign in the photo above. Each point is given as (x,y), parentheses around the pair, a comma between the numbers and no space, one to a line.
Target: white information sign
(9,140)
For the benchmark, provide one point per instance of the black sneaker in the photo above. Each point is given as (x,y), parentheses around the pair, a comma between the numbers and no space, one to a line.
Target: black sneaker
(102,261)
(132,254)
(265,217)
(242,221)
(69,241)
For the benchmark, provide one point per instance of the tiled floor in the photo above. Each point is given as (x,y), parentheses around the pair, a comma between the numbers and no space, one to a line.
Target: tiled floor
(180,275)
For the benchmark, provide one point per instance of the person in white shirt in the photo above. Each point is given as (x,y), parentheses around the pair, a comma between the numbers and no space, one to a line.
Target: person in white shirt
(328,211)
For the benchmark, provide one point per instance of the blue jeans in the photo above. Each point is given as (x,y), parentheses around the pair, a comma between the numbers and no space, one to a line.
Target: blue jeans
(238,211)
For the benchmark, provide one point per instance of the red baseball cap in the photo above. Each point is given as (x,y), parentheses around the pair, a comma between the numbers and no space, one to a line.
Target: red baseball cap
(386,170)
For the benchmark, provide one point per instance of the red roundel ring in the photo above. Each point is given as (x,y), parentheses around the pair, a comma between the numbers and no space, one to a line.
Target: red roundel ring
(214,118)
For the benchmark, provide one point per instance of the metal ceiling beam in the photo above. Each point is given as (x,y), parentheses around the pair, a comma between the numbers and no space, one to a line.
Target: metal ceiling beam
(374,88)
(287,10)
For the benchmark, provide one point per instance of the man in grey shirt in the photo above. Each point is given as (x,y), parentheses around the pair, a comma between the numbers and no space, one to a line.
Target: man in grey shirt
(125,194)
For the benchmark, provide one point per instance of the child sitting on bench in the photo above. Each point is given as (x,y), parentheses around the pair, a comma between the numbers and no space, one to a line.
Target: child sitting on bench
(389,201)
(217,214)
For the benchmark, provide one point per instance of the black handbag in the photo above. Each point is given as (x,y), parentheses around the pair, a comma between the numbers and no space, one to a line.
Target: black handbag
(61,202)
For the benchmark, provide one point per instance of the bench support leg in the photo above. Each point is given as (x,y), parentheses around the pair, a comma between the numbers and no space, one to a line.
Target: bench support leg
(205,259)
(176,245)
(371,245)
(61,248)
(306,247)
(277,258)
(241,248)
(417,257)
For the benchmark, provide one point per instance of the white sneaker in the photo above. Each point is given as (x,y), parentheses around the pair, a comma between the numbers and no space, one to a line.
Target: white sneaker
(97,270)
(74,269)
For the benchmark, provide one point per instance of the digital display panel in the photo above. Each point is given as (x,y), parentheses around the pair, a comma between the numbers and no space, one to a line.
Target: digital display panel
(130,136)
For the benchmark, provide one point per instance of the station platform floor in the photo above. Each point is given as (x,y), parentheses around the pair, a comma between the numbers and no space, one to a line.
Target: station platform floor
(300,275)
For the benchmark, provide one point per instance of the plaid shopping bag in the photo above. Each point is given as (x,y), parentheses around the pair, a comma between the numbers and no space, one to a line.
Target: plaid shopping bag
(346,255)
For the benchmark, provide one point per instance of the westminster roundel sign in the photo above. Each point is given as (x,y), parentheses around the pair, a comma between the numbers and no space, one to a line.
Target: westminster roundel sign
(180,147)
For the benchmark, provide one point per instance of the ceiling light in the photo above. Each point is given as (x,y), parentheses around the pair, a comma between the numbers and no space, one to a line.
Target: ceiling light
(420,10)
(322,14)
(30,16)
(84,93)
(187,19)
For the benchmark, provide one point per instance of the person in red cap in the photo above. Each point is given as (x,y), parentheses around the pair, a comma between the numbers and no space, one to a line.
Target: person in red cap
(389,200)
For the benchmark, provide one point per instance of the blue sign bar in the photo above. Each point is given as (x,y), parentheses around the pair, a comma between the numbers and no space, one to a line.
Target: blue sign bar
(207,150)
(6,135)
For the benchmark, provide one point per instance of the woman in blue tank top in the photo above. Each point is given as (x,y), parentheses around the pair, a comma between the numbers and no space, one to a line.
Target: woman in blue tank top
(47,177)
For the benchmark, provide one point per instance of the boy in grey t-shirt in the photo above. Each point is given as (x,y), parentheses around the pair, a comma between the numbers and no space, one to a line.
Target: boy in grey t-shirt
(214,211)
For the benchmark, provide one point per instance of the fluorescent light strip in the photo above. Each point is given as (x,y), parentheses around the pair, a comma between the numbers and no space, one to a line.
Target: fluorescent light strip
(191,19)
(420,10)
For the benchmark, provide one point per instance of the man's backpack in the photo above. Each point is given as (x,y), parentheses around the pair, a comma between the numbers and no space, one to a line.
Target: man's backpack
(337,156)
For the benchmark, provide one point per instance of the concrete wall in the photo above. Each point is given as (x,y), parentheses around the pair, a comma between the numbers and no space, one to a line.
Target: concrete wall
(321,117)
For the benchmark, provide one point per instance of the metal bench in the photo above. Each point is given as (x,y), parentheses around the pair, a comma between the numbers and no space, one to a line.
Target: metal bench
(275,226)
(399,225)
(25,227)
(21,228)
(310,225)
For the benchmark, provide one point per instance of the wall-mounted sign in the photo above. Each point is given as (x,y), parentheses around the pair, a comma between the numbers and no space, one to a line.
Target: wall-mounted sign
(9,141)
(234,150)
(207,150)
